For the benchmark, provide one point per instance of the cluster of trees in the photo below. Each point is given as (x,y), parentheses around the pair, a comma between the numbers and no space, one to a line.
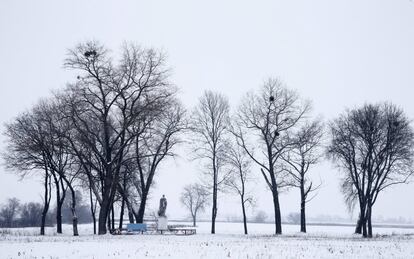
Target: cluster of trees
(16,214)
(107,132)
(374,146)
(272,128)
(9,214)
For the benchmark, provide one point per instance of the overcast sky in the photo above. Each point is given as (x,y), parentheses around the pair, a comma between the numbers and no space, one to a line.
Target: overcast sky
(336,53)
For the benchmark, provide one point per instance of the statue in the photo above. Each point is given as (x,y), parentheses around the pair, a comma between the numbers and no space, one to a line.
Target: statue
(163,206)
(162,221)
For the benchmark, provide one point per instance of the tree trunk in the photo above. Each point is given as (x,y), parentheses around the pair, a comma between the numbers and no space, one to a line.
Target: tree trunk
(361,225)
(46,204)
(364,227)
(363,218)
(59,217)
(73,210)
(93,208)
(358,228)
(108,192)
(244,215)
(105,208)
(108,221)
(278,223)
(141,210)
(131,216)
(130,211)
(59,204)
(302,208)
(121,216)
(103,216)
(214,207)
(214,210)
(113,217)
(275,194)
(369,214)
(194,219)
(94,223)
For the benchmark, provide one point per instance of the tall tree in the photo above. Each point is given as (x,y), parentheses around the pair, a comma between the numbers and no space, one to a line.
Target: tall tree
(209,123)
(59,158)
(373,146)
(303,153)
(240,164)
(154,145)
(267,119)
(105,107)
(195,199)
(26,140)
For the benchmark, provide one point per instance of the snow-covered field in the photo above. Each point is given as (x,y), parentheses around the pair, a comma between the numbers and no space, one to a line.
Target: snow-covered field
(320,242)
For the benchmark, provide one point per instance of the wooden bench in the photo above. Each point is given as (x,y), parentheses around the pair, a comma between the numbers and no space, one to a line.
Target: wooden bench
(183,231)
(136,227)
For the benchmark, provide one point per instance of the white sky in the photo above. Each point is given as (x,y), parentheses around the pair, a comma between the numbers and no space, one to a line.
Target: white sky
(337,53)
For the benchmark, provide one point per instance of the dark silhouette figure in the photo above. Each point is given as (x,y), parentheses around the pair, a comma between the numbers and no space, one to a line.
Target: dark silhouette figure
(163,206)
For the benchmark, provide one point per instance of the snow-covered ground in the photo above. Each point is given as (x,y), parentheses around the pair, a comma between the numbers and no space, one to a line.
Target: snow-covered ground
(320,242)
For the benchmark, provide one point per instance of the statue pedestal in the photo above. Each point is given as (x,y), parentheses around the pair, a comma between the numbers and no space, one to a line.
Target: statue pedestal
(162,223)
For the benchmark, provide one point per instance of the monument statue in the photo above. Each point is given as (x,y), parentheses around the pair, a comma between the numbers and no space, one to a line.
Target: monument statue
(163,206)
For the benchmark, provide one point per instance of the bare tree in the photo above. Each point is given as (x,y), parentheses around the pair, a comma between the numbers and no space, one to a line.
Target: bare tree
(268,119)
(153,145)
(303,153)
(373,146)
(26,141)
(210,121)
(87,132)
(195,199)
(240,164)
(106,106)
(59,158)
(9,212)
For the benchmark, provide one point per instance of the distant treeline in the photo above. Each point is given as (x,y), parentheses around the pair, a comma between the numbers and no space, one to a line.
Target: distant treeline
(14,214)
